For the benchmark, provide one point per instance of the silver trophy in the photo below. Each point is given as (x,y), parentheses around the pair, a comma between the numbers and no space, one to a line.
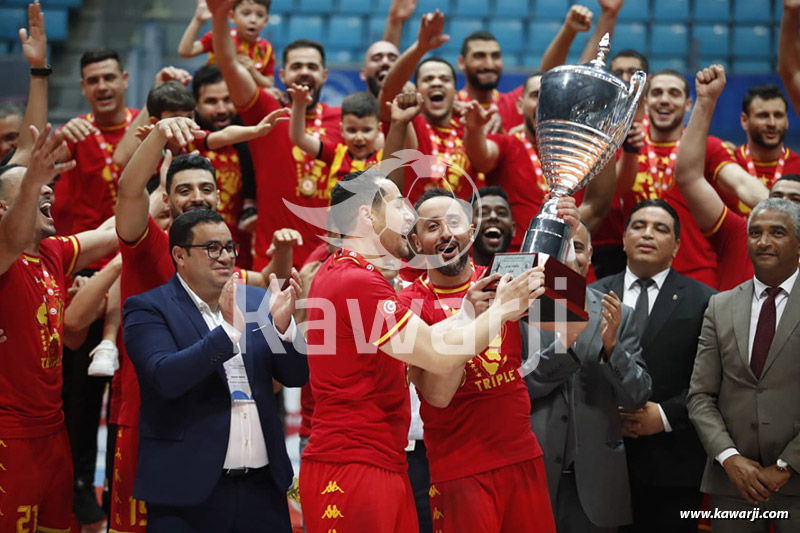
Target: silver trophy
(583,118)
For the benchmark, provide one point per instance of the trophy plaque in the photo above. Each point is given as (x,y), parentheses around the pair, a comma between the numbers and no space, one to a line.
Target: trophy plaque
(583,117)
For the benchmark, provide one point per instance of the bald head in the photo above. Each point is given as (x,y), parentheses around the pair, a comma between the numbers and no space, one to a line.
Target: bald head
(379,58)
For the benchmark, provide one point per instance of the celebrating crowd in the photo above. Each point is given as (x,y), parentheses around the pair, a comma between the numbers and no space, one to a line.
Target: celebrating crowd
(196,256)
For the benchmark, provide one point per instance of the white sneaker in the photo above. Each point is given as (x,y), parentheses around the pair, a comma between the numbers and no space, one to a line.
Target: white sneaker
(105,359)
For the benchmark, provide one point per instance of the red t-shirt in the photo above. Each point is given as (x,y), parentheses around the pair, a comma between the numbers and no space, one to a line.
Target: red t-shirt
(362,410)
(487,424)
(32,316)
(519,173)
(283,172)
(229,184)
(340,163)
(506,105)
(87,195)
(729,240)
(261,52)
(695,259)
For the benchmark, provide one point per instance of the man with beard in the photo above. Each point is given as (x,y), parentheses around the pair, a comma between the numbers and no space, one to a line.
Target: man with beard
(486,467)
(668,101)
(283,171)
(435,131)
(379,58)
(146,264)
(494,220)
(10,124)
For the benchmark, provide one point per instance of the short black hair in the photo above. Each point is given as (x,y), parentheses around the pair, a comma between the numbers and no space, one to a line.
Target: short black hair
(438,192)
(491,190)
(8,109)
(536,74)
(365,187)
(188,162)
(788,177)
(657,202)
(205,75)
(361,104)
(96,55)
(767,91)
(303,43)
(170,96)
(481,35)
(181,231)
(3,170)
(434,60)
(671,72)
(265,3)
(630,52)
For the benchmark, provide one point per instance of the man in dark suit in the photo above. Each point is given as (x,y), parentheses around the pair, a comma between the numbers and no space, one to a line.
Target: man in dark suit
(744,397)
(574,397)
(665,457)
(212,455)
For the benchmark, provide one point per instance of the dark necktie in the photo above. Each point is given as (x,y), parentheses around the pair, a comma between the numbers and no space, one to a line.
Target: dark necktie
(765,331)
(642,309)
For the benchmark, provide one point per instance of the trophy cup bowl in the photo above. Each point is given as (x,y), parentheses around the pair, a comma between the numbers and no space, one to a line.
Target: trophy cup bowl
(583,118)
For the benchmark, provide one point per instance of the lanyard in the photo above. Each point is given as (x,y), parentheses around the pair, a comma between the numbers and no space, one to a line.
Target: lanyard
(751,167)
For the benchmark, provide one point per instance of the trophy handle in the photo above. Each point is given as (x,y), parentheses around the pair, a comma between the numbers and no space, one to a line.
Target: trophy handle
(639,78)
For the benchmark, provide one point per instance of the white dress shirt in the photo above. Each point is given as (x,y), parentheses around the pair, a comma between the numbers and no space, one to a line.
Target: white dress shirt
(759,297)
(246,445)
(629,297)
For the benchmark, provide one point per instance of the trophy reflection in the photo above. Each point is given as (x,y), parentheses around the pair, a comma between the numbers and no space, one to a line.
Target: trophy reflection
(583,117)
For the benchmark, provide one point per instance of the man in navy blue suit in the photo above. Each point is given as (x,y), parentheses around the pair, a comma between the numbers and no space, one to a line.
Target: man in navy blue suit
(212,455)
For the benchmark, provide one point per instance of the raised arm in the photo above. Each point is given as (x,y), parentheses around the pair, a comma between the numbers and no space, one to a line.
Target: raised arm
(599,193)
(241,85)
(18,215)
(578,19)
(399,13)
(96,244)
(606,23)
(405,107)
(483,153)
(239,134)
(789,51)
(429,38)
(133,202)
(89,302)
(189,45)
(280,252)
(703,201)
(34,47)
(301,97)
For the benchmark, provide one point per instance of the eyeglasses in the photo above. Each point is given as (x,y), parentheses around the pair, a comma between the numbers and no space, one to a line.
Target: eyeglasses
(214,248)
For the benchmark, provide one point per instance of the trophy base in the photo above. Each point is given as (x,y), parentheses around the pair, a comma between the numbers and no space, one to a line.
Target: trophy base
(564,298)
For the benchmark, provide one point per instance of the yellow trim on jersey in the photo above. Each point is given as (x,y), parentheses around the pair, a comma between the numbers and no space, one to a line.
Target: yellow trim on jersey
(76,252)
(30,258)
(140,239)
(41,529)
(347,257)
(719,167)
(394,329)
(252,101)
(719,222)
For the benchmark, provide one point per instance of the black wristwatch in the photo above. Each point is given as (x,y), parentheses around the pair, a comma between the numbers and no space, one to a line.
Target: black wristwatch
(41,72)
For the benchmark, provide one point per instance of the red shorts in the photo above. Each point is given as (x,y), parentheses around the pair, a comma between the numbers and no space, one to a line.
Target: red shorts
(36,484)
(506,500)
(355,497)
(128,515)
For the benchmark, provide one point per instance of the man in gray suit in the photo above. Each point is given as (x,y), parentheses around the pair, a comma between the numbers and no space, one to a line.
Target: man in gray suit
(574,395)
(744,397)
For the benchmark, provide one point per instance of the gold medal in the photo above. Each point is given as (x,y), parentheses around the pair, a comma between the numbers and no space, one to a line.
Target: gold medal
(308,186)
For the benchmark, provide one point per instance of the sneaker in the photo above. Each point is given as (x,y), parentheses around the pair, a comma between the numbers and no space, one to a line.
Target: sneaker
(105,359)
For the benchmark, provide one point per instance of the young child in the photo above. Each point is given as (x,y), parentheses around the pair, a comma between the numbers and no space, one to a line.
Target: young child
(253,51)
(361,133)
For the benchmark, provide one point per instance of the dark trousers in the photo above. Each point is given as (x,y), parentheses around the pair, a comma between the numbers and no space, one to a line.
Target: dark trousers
(248,504)
(420,479)
(657,509)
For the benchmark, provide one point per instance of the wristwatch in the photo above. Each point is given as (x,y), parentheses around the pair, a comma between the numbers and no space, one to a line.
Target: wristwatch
(782,465)
(42,72)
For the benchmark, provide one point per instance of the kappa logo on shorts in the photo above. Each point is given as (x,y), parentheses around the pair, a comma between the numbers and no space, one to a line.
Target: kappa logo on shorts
(434,491)
(437,514)
(332,512)
(332,487)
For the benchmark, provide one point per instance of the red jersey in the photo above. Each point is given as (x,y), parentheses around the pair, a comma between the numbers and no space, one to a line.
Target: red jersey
(32,316)
(506,105)
(340,163)
(87,195)
(362,410)
(655,179)
(453,169)
(487,424)
(284,172)
(229,184)
(261,52)
(729,239)
(519,173)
